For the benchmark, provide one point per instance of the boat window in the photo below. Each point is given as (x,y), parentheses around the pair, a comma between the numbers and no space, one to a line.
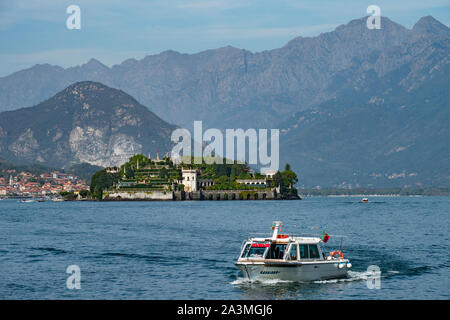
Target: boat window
(293,252)
(313,251)
(303,251)
(276,251)
(245,252)
(257,250)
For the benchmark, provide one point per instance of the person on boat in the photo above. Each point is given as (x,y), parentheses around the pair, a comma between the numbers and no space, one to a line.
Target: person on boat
(277,252)
(281,253)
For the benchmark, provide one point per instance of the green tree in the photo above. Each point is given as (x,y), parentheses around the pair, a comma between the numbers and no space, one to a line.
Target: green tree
(289,178)
(84,193)
(286,181)
(233,172)
(68,195)
(163,173)
(102,180)
(138,159)
(277,179)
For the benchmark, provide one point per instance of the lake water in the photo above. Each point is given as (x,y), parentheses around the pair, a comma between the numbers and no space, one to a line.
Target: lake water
(186,250)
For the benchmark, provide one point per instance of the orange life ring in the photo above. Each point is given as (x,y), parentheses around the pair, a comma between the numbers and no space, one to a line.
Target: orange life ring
(332,254)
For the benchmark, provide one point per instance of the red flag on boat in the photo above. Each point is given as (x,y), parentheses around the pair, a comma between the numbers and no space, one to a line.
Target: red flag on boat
(325,237)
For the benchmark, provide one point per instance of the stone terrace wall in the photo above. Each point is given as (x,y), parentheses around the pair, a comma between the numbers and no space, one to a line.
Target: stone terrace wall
(238,195)
(138,195)
(197,195)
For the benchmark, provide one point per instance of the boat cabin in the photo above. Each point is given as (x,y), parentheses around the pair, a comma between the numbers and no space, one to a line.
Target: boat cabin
(290,249)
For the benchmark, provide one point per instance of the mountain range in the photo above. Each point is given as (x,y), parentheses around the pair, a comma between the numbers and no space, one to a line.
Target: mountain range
(229,87)
(354,106)
(87,122)
(386,136)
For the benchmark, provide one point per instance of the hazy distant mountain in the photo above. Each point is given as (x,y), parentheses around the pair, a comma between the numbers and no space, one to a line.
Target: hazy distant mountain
(230,87)
(388,123)
(6,165)
(355,106)
(380,136)
(85,123)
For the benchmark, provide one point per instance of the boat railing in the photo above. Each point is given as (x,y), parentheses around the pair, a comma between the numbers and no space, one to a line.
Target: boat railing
(268,235)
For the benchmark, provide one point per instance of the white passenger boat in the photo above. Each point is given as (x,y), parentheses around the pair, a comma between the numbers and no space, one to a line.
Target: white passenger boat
(288,257)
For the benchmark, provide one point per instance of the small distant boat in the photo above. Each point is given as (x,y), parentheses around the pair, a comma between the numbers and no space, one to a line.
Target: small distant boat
(57,200)
(26,200)
(41,200)
(365,200)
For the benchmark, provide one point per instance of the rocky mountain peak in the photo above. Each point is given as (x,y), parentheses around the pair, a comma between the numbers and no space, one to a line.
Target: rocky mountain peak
(355,35)
(84,93)
(85,87)
(359,26)
(95,64)
(431,26)
(86,122)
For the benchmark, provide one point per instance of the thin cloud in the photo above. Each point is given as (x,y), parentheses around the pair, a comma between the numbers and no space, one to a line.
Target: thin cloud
(214,4)
(238,33)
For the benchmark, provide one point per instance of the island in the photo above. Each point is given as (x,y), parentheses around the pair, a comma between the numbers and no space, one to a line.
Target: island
(144,178)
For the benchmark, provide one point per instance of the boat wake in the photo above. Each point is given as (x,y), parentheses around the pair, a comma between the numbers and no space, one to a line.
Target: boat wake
(351,276)
(240,281)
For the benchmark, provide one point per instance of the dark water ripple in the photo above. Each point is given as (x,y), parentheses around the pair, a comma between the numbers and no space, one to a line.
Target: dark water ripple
(186,250)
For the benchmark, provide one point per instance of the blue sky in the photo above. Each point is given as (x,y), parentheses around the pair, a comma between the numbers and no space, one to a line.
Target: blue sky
(111,30)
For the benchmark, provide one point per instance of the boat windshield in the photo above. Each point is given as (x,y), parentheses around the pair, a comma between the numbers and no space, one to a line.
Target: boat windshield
(255,250)
(276,251)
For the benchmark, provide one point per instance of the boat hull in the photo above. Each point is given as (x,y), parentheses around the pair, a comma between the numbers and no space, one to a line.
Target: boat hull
(311,271)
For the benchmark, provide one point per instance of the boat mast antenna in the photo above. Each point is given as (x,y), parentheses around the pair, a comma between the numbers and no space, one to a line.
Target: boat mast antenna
(276,229)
